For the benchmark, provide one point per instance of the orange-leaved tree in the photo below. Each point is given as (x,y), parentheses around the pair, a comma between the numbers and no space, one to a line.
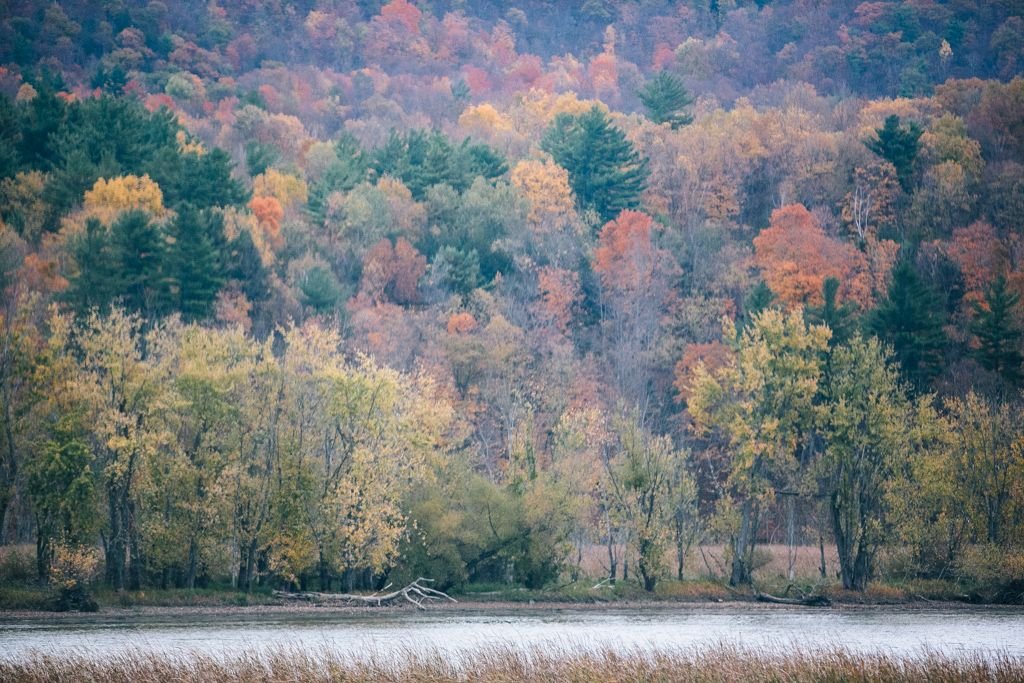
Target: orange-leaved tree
(796,257)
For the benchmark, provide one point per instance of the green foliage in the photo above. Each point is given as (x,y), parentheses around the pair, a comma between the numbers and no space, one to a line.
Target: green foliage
(473,530)
(478,220)
(763,404)
(866,430)
(320,289)
(456,270)
(200,180)
(95,283)
(423,159)
(665,99)
(910,320)
(350,167)
(995,326)
(106,137)
(835,316)
(606,173)
(10,139)
(245,267)
(641,473)
(193,264)
(62,485)
(898,145)
(259,157)
(137,249)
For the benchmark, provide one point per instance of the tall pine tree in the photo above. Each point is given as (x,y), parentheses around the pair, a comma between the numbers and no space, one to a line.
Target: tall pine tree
(665,98)
(910,320)
(838,317)
(194,260)
(606,173)
(137,250)
(898,145)
(94,283)
(998,334)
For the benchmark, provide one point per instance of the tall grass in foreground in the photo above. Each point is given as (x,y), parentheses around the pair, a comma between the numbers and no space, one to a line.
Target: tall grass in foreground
(510,664)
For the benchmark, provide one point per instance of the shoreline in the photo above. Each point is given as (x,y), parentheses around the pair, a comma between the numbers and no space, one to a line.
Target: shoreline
(487,606)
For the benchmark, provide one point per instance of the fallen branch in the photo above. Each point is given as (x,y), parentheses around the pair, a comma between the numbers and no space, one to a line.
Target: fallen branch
(808,601)
(415,592)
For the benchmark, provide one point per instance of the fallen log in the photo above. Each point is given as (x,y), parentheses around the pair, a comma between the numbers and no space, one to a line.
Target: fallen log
(415,592)
(808,601)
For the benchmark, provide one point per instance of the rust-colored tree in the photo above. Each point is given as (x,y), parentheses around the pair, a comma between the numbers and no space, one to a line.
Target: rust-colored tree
(796,257)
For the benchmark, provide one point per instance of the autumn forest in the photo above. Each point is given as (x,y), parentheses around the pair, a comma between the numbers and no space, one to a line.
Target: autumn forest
(325,295)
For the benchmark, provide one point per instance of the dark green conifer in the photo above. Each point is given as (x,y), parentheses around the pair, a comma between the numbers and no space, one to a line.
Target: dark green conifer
(898,145)
(998,334)
(194,262)
(605,171)
(94,283)
(665,99)
(137,251)
(838,317)
(910,321)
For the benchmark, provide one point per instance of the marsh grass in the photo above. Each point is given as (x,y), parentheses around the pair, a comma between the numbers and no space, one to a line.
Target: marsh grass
(502,663)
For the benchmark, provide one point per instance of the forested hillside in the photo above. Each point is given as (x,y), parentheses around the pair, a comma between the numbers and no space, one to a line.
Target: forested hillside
(329,294)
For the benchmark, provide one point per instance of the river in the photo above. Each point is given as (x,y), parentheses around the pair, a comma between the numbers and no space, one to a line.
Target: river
(896,630)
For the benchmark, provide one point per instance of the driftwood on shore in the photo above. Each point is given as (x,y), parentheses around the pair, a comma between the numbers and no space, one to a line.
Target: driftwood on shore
(802,601)
(415,592)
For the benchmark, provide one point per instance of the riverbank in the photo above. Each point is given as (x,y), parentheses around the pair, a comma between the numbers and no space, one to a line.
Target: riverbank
(30,601)
(501,663)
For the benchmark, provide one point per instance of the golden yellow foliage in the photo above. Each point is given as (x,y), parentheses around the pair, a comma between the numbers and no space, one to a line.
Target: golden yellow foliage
(485,117)
(545,185)
(107,198)
(287,189)
(187,145)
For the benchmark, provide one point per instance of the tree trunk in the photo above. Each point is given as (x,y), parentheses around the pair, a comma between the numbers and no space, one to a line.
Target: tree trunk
(134,549)
(647,574)
(193,563)
(680,554)
(115,550)
(742,547)
(791,536)
(325,573)
(821,550)
(612,557)
(248,572)
(43,556)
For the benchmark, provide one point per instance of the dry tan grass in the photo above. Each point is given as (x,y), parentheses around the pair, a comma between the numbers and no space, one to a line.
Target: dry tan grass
(502,664)
(696,565)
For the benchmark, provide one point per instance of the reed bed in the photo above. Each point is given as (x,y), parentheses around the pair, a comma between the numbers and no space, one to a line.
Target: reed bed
(502,664)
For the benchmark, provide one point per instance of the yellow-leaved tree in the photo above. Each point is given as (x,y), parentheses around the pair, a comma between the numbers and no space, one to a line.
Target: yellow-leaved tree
(762,402)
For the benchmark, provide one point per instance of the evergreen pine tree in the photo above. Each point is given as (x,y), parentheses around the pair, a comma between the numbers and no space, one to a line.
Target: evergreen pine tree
(320,289)
(245,266)
(898,145)
(422,160)
(457,269)
(998,334)
(137,253)
(351,168)
(910,321)
(605,171)
(838,317)
(96,280)
(759,298)
(259,157)
(193,262)
(202,180)
(665,98)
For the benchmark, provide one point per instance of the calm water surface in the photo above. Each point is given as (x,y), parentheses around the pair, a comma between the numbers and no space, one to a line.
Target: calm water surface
(893,630)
